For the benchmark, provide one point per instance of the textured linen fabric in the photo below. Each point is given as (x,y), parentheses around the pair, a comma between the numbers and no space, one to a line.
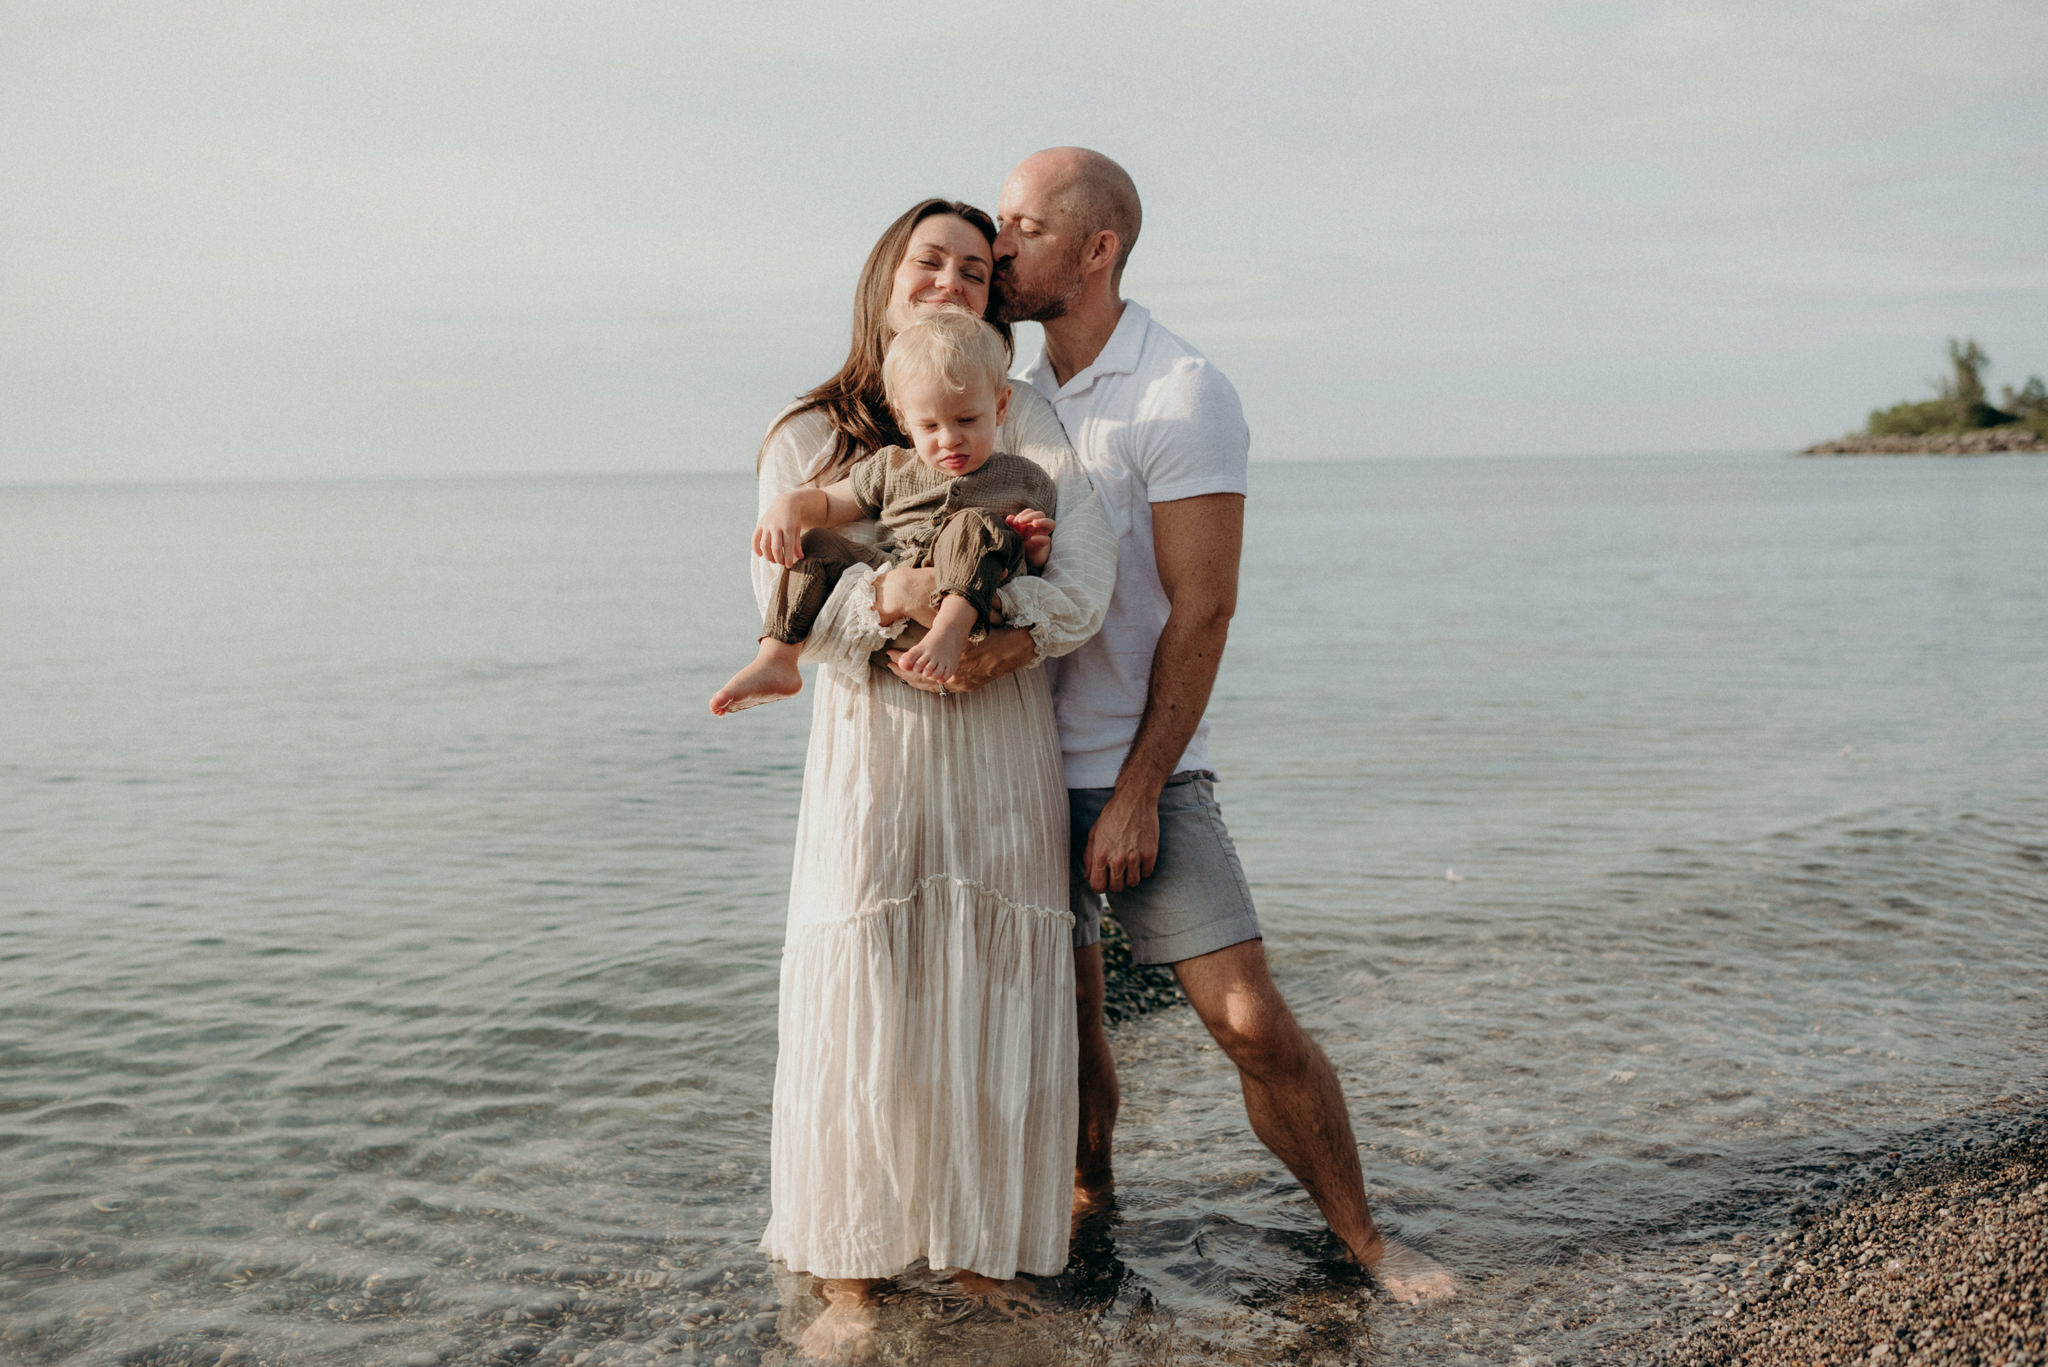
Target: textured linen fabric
(910,500)
(925,1076)
(954,523)
(1152,421)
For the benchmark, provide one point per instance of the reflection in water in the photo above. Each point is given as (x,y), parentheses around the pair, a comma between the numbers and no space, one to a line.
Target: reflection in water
(388,943)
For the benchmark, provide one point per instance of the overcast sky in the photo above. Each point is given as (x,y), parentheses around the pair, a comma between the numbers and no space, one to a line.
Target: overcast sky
(351,238)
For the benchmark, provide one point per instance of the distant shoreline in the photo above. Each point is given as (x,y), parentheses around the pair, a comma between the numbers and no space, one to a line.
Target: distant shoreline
(1983,441)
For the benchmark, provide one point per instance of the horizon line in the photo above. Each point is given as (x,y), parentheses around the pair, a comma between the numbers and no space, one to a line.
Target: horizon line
(507,476)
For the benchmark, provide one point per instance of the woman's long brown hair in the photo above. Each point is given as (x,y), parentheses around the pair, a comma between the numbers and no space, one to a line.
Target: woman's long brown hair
(852,400)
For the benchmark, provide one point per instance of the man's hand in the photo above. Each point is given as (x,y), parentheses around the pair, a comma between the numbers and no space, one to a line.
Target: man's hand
(1123,845)
(1195,542)
(1005,650)
(1036,529)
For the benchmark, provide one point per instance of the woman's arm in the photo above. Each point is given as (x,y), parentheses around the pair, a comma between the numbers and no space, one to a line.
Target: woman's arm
(1064,605)
(847,630)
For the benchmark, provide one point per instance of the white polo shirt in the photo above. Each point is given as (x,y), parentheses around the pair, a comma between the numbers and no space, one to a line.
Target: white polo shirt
(1152,421)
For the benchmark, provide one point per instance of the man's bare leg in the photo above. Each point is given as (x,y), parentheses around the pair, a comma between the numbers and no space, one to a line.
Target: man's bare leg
(1297,1110)
(845,1330)
(1093,1182)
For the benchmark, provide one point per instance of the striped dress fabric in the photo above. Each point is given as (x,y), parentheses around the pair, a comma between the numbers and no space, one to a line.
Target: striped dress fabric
(925,1077)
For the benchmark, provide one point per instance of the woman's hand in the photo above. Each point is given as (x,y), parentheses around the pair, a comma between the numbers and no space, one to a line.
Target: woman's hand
(1005,650)
(779,536)
(1036,529)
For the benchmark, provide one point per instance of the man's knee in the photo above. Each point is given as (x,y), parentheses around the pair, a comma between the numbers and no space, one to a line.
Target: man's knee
(1245,1013)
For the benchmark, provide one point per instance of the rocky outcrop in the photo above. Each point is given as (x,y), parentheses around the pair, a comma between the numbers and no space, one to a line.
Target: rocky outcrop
(1983,441)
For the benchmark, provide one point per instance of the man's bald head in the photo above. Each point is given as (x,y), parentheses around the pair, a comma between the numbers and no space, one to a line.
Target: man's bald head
(1092,193)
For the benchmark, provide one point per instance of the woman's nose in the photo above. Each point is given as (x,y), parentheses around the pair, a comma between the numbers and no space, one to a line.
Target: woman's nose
(952,281)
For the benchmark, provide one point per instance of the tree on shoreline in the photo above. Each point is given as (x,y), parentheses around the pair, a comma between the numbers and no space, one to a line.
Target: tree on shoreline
(1960,405)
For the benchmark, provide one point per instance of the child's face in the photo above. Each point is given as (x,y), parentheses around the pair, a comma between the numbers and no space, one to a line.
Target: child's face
(955,433)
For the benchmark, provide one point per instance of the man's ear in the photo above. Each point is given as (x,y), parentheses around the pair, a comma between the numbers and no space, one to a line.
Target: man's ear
(1102,249)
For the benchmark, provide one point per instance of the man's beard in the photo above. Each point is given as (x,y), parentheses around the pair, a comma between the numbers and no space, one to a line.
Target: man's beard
(1019,304)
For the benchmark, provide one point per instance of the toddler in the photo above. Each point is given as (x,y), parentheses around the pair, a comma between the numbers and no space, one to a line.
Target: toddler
(954,503)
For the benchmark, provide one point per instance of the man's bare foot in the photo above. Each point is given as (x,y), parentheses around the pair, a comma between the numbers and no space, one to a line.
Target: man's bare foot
(1013,1297)
(772,675)
(1411,1276)
(1092,1199)
(845,1330)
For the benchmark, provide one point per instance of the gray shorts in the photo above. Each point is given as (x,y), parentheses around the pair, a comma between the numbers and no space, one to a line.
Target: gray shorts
(1196,901)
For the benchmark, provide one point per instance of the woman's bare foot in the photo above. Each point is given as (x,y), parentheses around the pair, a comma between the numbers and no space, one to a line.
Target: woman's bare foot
(845,1330)
(772,675)
(1013,1298)
(1411,1276)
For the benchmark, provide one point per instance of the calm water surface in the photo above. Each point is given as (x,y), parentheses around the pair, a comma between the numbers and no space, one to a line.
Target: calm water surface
(388,935)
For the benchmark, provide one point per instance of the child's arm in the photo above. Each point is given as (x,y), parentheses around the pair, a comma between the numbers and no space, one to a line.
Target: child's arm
(779,537)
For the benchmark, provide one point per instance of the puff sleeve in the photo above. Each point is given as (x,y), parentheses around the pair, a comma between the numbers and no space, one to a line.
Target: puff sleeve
(1063,605)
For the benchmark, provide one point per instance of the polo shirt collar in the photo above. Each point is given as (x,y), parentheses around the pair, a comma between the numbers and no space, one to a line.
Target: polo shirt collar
(1119,356)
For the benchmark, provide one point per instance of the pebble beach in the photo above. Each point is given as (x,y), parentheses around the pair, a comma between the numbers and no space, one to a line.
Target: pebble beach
(1938,1261)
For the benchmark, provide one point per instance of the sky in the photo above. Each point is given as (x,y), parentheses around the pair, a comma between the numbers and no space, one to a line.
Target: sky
(297,239)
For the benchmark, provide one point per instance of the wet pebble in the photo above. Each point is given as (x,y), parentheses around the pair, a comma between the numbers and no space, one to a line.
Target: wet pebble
(1941,1262)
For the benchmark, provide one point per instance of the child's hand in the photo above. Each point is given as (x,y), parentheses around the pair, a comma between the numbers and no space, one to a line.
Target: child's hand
(779,536)
(1036,529)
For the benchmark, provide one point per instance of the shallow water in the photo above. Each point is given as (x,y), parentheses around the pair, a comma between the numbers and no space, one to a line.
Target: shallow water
(387,935)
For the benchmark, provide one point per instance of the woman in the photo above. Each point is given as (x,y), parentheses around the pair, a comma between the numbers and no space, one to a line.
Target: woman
(924,1090)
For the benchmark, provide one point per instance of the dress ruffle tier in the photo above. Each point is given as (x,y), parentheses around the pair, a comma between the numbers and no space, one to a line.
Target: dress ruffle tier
(925,1079)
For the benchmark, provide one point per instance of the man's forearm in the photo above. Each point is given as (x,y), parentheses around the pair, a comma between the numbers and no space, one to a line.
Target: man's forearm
(1184,666)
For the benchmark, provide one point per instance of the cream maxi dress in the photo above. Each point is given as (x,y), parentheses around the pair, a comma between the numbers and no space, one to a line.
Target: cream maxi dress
(925,1082)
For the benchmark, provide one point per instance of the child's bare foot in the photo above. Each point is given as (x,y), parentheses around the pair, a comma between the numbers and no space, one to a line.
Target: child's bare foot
(932,658)
(937,656)
(1411,1276)
(772,675)
(845,1330)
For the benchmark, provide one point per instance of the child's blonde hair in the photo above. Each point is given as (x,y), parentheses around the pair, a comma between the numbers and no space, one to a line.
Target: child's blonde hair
(950,345)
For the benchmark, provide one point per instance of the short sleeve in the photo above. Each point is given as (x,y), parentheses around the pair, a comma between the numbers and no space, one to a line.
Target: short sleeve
(1191,438)
(870,479)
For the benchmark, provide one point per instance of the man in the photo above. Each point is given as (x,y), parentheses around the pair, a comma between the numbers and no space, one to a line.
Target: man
(1163,437)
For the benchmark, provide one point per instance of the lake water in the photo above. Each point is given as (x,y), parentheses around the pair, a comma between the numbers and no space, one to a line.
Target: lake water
(388,936)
